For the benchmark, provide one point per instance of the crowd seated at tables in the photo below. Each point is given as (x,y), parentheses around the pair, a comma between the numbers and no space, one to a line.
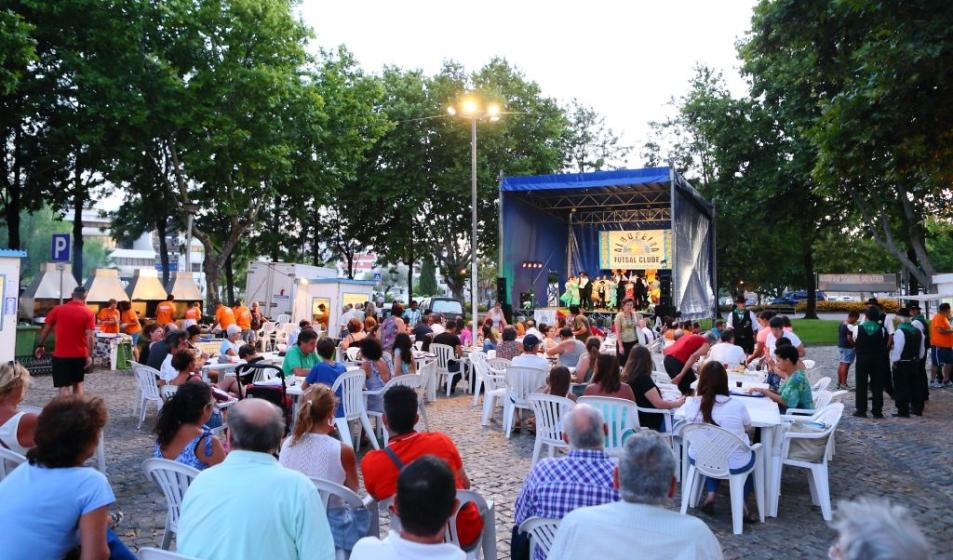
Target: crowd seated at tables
(605,509)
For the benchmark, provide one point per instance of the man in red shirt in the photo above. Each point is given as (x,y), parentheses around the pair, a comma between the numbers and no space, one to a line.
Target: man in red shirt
(381,467)
(681,356)
(75,327)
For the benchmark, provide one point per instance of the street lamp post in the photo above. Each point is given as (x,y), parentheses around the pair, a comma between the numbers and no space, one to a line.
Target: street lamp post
(470,109)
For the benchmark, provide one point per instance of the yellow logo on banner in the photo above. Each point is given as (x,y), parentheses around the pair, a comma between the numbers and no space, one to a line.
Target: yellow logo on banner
(635,249)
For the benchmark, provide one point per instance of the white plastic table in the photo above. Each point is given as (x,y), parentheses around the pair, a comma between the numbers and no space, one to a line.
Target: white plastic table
(766,415)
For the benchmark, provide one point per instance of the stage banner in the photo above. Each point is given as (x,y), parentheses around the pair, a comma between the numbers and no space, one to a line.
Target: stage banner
(627,250)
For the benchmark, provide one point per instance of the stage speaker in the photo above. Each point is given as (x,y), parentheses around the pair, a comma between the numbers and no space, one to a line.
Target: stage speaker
(665,289)
(501,291)
(508,313)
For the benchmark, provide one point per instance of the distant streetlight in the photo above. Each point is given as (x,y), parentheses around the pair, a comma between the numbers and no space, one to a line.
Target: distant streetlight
(471,108)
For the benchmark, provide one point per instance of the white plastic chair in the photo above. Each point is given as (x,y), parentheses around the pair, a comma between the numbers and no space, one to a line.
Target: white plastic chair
(809,364)
(173,479)
(821,400)
(487,541)
(817,472)
(713,447)
(549,411)
(836,396)
(283,318)
(9,460)
(494,388)
(821,384)
(149,553)
(521,382)
(148,390)
(542,534)
(411,380)
(476,374)
(326,489)
(419,345)
(352,400)
(353,354)
(444,354)
(621,417)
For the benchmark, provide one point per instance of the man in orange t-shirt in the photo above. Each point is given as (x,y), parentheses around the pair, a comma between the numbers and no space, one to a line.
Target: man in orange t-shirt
(108,318)
(381,467)
(193,315)
(75,327)
(243,319)
(224,316)
(165,311)
(941,338)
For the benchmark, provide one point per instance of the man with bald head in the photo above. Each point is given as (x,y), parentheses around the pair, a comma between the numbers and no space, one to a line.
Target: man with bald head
(554,487)
(249,506)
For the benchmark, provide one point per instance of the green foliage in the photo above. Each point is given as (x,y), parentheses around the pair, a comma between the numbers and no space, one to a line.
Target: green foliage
(865,85)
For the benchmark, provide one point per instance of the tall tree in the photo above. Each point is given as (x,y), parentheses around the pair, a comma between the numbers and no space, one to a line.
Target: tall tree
(590,144)
(866,85)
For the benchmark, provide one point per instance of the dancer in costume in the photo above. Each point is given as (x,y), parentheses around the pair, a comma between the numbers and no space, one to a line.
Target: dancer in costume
(611,293)
(571,295)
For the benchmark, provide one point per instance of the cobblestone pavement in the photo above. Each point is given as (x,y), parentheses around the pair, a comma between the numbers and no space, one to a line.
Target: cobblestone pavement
(907,460)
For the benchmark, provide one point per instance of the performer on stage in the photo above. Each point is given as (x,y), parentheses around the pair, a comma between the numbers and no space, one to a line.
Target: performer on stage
(630,288)
(619,289)
(571,295)
(641,291)
(599,292)
(585,291)
(611,293)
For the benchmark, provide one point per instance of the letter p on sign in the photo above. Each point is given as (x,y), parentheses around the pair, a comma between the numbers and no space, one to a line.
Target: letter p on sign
(60,251)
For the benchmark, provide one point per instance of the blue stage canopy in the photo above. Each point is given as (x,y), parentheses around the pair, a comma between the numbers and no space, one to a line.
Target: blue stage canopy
(552,223)
(647,176)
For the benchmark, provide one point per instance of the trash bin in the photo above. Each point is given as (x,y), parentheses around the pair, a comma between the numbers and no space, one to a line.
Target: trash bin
(26,340)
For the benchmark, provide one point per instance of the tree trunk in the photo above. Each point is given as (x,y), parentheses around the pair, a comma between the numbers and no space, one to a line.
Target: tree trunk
(78,201)
(410,270)
(12,217)
(811,311)
(349,257)
(212,272)
(914,286)
(163,250)
(315,246)
(229,281)
(274,230)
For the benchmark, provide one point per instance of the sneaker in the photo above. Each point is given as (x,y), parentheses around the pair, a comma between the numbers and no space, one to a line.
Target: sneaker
(843,386)
(947,384)
(935,385)
(860,414)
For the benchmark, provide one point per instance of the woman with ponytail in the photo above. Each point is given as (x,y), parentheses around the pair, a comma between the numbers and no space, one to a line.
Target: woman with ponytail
(715,405)
(312,450)
(181,433)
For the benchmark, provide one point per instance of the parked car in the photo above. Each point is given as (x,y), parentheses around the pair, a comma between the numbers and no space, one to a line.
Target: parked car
(448,307)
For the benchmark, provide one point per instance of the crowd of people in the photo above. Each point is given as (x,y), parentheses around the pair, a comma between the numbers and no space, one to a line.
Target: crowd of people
(621,502)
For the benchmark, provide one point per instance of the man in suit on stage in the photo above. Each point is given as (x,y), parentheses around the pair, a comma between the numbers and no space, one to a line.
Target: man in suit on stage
(585,291)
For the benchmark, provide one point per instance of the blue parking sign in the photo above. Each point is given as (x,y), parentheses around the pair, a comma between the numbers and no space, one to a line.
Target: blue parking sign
(60,250)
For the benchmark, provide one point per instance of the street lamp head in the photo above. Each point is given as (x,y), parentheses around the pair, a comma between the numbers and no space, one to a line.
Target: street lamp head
(470,107)
(493,111)
(451,111)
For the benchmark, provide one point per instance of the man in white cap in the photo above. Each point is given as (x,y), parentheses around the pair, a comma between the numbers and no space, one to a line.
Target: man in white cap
(230,344)
(529,357)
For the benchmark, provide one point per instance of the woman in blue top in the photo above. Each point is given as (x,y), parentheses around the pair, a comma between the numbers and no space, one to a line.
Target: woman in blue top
(375,370)
(795,391)
(181,434)
(52,504)
(327,371)
(403,355)
(489,341)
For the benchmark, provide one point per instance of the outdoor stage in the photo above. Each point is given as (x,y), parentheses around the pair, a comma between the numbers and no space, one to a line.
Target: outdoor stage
(555,226)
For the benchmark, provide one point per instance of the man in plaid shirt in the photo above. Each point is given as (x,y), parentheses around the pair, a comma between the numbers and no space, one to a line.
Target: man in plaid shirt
(554,487)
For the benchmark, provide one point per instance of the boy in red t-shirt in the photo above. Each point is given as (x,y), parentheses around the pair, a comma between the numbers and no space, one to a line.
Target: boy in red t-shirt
(381,467)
